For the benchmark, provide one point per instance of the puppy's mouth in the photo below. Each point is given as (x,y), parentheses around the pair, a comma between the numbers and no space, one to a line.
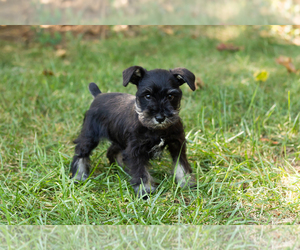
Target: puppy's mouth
(165,124)
(155,122)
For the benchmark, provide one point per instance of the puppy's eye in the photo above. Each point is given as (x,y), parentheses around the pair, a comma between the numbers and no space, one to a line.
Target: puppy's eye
(170,97)
(148,97)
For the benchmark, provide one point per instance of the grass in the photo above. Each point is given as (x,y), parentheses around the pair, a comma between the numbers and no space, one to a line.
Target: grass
(243,136)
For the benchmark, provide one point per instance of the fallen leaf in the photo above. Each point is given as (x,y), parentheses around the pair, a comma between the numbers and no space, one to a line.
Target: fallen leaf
(286,62)
(61,53)
(268,140)
(93,30)
(228,47)
(168,30)
(199,83)
(47,72)
(245,186)
(261,76)
(119,28)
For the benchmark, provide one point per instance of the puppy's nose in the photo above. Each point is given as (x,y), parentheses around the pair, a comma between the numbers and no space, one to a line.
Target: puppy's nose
(159,118)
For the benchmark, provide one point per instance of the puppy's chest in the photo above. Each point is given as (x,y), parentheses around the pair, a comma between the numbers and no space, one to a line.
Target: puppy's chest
(154,145)
(157,149)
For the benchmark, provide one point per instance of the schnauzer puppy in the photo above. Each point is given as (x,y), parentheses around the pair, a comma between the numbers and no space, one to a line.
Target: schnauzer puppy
(138,127)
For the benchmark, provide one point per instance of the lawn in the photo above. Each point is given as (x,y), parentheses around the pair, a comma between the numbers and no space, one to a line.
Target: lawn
(242,135)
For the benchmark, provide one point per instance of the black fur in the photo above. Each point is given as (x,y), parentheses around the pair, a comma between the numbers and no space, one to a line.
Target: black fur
(138,127)
(94,89)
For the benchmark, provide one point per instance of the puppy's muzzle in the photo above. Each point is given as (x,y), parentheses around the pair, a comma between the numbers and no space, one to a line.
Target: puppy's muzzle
(159,121)
(160,118)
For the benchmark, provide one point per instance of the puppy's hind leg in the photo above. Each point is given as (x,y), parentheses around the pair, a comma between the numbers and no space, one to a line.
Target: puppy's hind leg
(114,154)
(85,143)
(80,166)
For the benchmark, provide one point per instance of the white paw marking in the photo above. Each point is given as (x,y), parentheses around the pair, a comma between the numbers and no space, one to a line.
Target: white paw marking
(180,173)
(119,159)
(82,172)
(184,178)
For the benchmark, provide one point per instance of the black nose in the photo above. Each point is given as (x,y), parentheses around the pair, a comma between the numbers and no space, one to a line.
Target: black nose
(159,118)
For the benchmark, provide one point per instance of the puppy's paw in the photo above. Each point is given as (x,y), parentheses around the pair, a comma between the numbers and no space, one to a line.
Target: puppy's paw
(143,190)
(80,169)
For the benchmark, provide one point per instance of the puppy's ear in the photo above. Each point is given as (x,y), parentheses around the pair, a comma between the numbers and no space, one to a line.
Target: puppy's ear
(184,76)
(133,74)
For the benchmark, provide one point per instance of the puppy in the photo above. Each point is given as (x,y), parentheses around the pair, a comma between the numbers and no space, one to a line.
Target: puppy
(138,127)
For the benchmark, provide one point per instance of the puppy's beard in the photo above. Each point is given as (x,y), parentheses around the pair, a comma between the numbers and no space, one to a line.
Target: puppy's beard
(167,122)
(151,122)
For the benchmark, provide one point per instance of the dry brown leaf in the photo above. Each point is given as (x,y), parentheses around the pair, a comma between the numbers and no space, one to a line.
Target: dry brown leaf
(228,47)
(47,72)
(168,30)
(94,30)
(61,53)
(268,140)
(120,28)
(199,83)
(286,62)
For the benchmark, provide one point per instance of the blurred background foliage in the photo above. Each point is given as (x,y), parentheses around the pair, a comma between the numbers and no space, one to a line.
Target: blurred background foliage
(56,34)
(149,12)
(290,9)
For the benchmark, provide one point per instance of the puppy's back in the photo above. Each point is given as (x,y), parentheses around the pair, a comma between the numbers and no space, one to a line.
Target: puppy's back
(114,114)
(112,105)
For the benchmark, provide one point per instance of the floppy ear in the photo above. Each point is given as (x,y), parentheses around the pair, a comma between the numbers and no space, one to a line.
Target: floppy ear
(133,74)
(184,76)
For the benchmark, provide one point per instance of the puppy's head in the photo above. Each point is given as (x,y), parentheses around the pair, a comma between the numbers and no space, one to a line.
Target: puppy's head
(158,94)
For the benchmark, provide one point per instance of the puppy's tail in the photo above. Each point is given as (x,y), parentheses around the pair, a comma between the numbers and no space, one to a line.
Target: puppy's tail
(94,89)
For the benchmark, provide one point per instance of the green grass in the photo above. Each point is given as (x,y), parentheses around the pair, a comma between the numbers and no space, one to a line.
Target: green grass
(243,136)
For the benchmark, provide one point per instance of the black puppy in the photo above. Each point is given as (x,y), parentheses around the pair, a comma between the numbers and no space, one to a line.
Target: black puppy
(138,127)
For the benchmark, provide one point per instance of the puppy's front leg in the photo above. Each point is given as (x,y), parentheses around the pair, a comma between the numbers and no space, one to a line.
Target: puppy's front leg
(136,165)
(80,168)
(182,168)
